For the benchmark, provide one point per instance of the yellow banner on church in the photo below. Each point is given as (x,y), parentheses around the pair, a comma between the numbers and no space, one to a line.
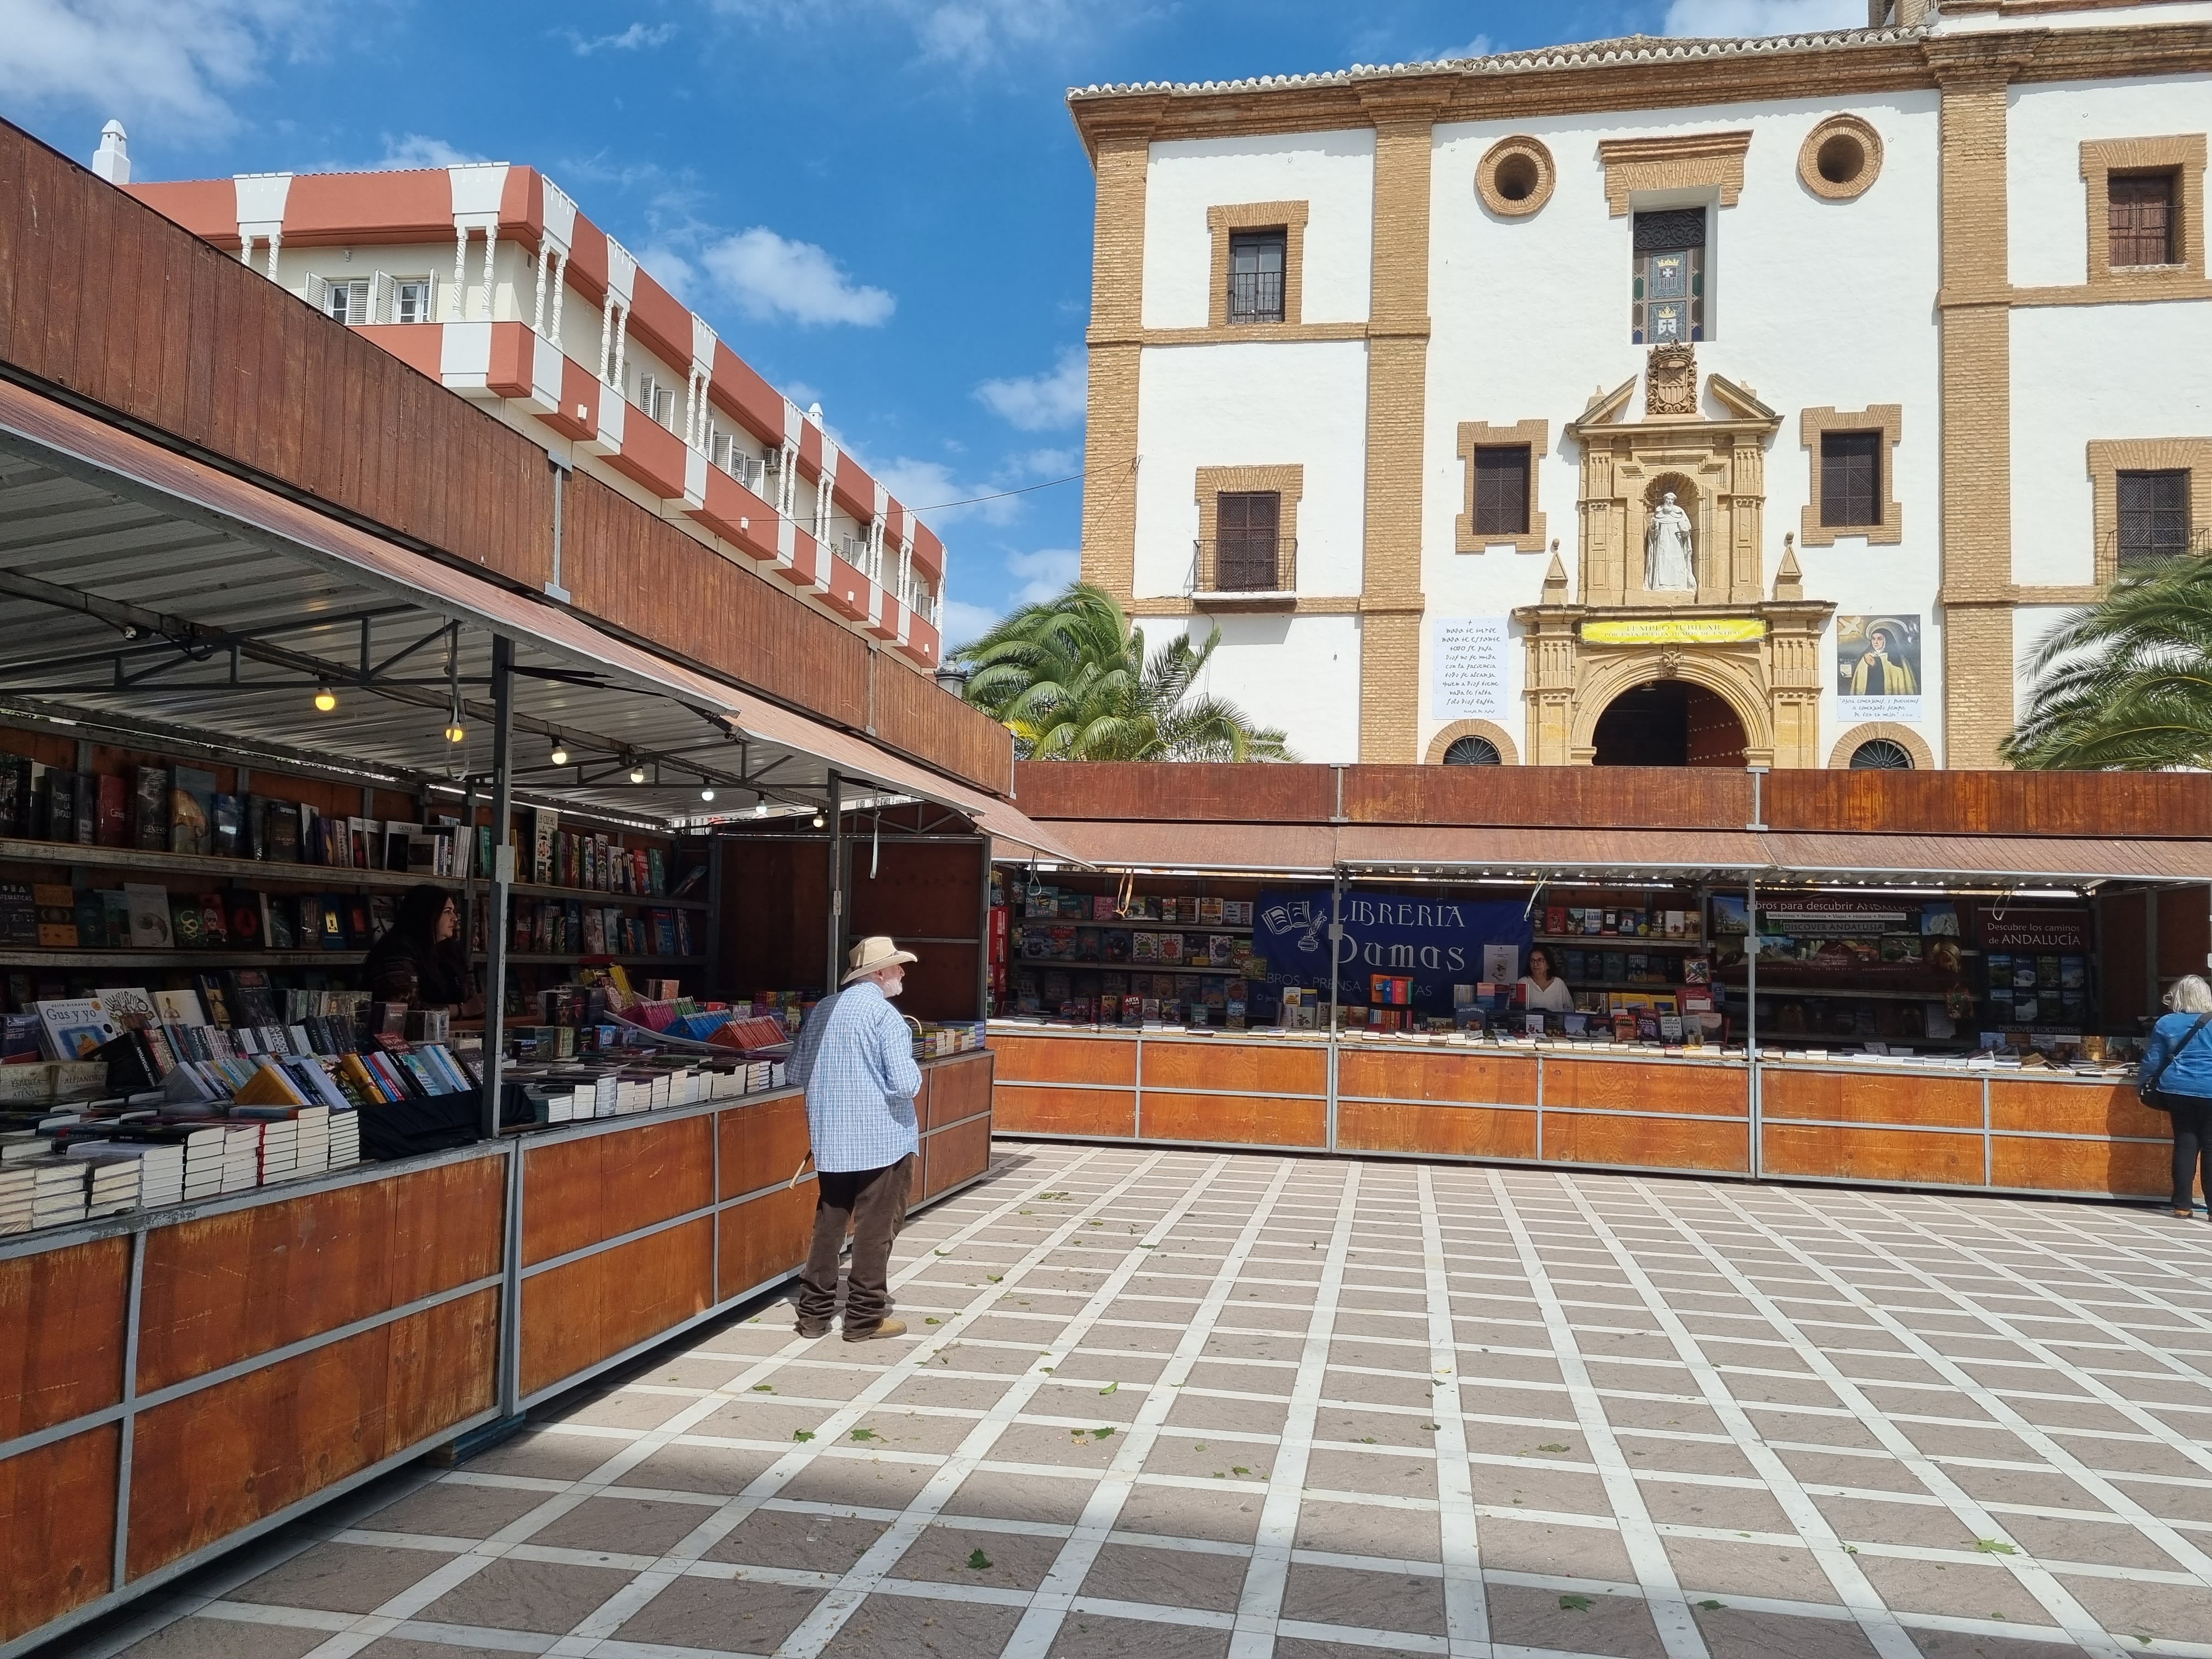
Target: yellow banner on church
(1675,630)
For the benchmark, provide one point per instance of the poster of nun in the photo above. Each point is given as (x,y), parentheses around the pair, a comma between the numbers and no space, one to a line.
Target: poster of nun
(1877,668)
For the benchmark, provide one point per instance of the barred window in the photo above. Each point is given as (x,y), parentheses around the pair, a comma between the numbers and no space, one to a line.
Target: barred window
(2153,514)
(1256,275)
(1851,478)
(1501,489)
(2143,222)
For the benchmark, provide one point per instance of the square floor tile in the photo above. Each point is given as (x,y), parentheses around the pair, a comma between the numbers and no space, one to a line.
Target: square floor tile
(544,1454)
(1617,1626)
(731,1615)
(947,1553)
(200,1637)
(341,1577)
(864,1482)
(1742,1633)
(532,1596)
(623,1526)
(1000,1495)
(1224,1515)
(1085,1635)
(1393,1475)
(448,1509)
(628,1408)
(1737,1509)
(1566,1552)
(717,1471)
(1166,1578)
(1388,1531)
(1972,1592)
(1364,1600)
(901,1627)
(808,1543)
(1772,1571)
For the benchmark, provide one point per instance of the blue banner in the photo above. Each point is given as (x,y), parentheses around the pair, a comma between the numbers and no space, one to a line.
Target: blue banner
(1436,942)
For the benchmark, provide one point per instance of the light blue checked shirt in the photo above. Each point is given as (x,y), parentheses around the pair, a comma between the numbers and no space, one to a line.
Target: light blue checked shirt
(855,1058)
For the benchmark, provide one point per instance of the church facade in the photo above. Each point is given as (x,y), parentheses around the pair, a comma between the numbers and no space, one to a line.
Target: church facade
(1660,402)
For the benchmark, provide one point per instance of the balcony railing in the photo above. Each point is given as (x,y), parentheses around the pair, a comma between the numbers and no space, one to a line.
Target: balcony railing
(1244,564)
(1255,296)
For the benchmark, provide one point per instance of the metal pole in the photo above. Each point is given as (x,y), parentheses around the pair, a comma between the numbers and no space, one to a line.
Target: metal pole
(502,876)
(1336,934)
(983,937)
(836,939)
(1751,1016)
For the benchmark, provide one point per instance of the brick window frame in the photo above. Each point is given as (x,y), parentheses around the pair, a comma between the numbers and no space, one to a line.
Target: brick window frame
(2110,456)
(1288,483)
(1887,419)
(2182,155)
(1223,222)
(1536,437)
(1508,752)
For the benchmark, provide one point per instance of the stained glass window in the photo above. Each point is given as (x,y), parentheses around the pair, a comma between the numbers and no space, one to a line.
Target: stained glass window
(1667,276)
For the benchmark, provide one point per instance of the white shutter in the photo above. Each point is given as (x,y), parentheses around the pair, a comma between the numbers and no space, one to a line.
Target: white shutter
(356,298)
(317,293)
(379,298)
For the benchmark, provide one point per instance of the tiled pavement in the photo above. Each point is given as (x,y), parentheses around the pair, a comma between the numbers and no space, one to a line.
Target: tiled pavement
(1181,1406)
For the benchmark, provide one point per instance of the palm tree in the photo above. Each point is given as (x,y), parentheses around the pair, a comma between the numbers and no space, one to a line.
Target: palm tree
(1069,678)
(2125,684)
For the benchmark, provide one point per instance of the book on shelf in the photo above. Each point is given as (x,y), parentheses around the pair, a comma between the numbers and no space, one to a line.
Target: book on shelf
(75,1028)
(86,802)
(226,826)
(57,789)
(57,913)
(191,806)
(14,791)
(19,914)
(215,920)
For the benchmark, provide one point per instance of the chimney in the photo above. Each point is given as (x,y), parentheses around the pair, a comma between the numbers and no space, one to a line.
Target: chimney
(111,161)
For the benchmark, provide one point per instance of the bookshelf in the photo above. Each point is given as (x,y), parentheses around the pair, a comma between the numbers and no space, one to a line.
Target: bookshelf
(1626,941)
(36,957)
(574,958)
(227,871)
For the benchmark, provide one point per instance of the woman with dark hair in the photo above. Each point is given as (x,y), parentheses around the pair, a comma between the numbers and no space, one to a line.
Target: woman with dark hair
(422,961)
(1542,987)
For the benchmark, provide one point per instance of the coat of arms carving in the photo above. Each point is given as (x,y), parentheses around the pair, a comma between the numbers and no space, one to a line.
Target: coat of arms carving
(1670,385)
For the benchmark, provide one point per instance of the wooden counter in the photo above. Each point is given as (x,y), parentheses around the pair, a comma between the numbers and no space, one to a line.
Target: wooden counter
(173,1382)
(1852,1121)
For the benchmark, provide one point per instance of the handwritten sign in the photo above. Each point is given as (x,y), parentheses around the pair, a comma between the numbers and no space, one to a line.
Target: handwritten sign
(1467,665)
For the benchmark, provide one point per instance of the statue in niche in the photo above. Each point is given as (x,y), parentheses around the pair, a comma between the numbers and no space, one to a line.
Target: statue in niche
(1667,565)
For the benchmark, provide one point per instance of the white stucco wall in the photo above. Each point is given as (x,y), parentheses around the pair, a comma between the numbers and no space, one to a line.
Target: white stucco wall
(1334,173)
(1299,672)
(1810,303)
(1302,403)
(2085,372)
(2048,218)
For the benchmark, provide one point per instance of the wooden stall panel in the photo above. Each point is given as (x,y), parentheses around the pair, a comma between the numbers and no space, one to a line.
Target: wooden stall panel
(1063,1060)
(763,1142)
(1907,1157)
(1024,1109)
(1413,1075)
(951,1155)
(1646,1143)
(957,1089)
(220,1459)
(1246,1119)
(57,1529)
(577,1315)
(226,1287)
(1613,1086)
(766,1238)
(62,1316)
(1232,1067)
(1435,1130)
(2075,1108)
(2123,1169)
(578,1192)
(1872,1096)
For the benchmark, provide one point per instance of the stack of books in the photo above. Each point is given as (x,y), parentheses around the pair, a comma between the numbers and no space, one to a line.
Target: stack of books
(114,1184)
(344,1139)
(241,1158)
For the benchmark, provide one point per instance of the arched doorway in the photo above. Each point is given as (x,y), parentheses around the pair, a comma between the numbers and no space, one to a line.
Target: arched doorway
(1668,723)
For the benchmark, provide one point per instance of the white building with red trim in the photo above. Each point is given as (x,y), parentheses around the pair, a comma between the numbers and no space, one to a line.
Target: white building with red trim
(488,279)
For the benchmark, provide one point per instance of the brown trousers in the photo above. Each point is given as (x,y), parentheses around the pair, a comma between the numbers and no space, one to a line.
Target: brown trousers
(872,1204)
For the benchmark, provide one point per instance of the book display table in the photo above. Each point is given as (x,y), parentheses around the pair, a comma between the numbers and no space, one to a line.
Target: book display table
(1888,1123)
(178,1380)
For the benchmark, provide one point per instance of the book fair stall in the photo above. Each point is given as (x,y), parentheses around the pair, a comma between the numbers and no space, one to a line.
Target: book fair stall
(1453,975)
(270,1226)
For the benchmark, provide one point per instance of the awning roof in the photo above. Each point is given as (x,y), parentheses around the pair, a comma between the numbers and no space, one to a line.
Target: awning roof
(89,511)
(1599,855)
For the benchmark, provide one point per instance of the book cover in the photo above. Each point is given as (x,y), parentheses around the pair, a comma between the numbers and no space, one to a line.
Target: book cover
(75,1028)
(110,795)
(192,809)
(358,934)
(186,926)
(544,826)
(115,918)
(57,907)
(281,921)
(59,789)
(246,923)
(84,801)
(213,999)
(226,826)
(656,873)
(215,920)
(19,914)
(14,791)
(383,915)
(129,1007)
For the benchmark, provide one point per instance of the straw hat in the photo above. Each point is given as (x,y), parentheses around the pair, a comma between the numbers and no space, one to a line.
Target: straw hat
(873,952)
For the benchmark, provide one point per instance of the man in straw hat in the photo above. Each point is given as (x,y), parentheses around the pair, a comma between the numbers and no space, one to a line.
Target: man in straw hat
(855,1060)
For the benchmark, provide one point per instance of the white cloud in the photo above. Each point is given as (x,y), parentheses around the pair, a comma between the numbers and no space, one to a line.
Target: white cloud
(1043,573)
(970,35)
(171,65)
(419,150)
(961,623)
(1710,19)
(633,38)
(772,278)
(1040,403)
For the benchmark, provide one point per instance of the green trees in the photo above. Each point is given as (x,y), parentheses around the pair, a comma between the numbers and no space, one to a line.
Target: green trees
(1069,678)
(2125,684)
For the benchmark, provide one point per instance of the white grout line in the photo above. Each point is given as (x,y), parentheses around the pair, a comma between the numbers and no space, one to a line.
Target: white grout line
(2065,1610)
(1654,1572)
(827,1617)
(1260,1604)
(1852,1588)
(1466,1605)
(1056,1594)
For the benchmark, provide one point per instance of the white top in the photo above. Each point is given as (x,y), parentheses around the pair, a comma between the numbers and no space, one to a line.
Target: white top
(1555,996)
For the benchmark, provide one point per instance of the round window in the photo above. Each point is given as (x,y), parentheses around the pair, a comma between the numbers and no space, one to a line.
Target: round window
(1842,158)
(1881,755)
(1514,177)
(1472,751)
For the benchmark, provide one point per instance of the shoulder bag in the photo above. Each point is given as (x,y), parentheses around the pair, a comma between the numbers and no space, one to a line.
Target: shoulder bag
(2147,1089)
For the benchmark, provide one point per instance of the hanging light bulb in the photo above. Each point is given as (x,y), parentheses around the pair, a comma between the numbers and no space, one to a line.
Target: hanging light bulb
(560,755)
(326,699)
(817,818)
(706,794)
(760,807)
(637,772)
(455,731)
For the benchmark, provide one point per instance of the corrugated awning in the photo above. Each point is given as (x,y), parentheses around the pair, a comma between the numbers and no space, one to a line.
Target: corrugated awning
(369,564)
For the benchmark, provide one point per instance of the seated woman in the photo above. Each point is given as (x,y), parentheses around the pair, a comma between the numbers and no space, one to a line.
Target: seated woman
(422,961)
(1541,987)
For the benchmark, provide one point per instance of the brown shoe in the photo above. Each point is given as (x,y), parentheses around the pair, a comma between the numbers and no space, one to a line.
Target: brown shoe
(870,1333)
(807,1328)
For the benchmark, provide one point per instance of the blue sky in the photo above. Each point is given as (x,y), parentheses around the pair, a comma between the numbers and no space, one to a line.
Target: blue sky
(881,203)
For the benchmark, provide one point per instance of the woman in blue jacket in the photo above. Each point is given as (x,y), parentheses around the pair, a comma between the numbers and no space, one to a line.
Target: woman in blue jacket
(2181,1044)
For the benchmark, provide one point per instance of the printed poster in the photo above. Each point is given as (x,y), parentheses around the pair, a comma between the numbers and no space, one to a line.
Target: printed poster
(1468,661)
(1877,668)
